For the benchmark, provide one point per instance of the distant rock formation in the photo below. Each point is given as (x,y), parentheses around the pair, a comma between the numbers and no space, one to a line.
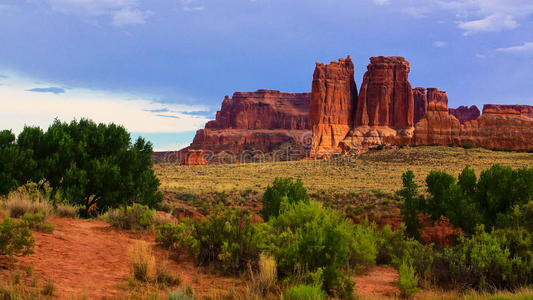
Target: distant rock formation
(506,129)
(333,102)
(421,103)
(258,121)
(194,158)
(465,113)
(525,110)
(334,118)
(437,127)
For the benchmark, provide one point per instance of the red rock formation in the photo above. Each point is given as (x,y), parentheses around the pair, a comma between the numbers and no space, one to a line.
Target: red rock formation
(421,103)
(525,110)
(386,97)
(259,120)
(194,158)
(465,113)
(499,129)
(505,129)
(385,107)
(333,100)
(437,126)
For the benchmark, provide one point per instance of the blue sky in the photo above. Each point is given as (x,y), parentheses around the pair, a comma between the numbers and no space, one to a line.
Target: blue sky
(162,67)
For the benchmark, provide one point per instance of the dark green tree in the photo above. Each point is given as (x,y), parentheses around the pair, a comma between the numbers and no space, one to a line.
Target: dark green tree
(294,191)
(93,165)
(412,204)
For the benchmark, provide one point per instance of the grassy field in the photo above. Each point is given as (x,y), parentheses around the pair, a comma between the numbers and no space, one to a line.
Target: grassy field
(372,171)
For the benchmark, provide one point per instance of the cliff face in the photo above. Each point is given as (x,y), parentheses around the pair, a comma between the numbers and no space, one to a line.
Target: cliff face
(420,102)
(525,110)
(499,129)
(385,107)
(503,129)
(437,126)
(386,97)
(465,113)
(259,120)
(333,100)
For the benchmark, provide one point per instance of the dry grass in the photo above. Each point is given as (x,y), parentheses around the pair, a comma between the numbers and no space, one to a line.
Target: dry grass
(19,203)
(265,279)
(522,294)
(379,170)
(142,261)
(67,211)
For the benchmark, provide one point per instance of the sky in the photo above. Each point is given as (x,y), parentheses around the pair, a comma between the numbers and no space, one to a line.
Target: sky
(161,68)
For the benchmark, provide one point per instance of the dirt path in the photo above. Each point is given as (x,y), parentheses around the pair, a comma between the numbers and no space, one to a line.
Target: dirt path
(88,257)
(378,283)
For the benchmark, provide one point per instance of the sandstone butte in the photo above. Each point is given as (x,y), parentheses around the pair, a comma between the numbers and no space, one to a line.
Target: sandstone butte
(256,121)
(333,103)
(389,112)
(335,118)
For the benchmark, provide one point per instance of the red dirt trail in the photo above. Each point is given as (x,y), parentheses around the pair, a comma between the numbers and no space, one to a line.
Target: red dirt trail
(88,257)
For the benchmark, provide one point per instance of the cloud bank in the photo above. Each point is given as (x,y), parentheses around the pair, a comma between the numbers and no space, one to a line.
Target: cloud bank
(19,107)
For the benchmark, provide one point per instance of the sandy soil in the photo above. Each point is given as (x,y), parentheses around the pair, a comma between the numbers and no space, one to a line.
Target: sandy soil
(88,257)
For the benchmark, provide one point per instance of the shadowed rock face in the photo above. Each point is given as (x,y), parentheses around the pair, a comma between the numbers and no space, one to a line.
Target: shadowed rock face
(386,96)
(385,107)
(525,110)
(333,102)
(259,120)
(420,102)
(465,113)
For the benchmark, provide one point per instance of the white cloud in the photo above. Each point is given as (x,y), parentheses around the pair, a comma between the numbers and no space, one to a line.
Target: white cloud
(120,12)
(381,2)
(439,44)
(19,107)
(130,17)
(526,48)
(471,16)
(493,23)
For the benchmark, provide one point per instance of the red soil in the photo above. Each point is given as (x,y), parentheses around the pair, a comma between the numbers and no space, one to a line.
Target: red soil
(88,257)
(378,283)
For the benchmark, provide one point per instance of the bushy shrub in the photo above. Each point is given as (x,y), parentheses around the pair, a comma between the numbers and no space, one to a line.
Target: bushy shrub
(304,292)
(407,281)
(136,217)
(176,237)
(484,262)
(37,221)
(282,188)
(227,238)
(15,238)
(363,245)
(313,238)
